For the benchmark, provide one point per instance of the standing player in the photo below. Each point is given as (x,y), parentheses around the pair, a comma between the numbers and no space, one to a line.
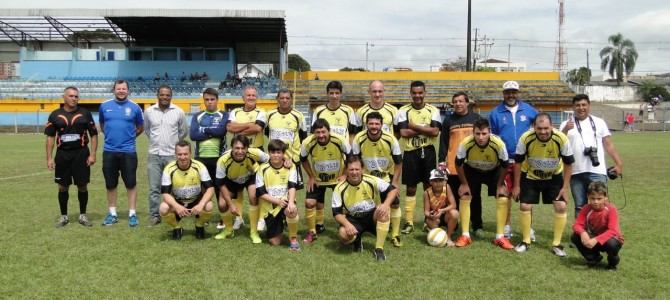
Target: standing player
(122,122)
(482,159)
(543,166)
(249,121)
(377,104)
(362,203)
(71,128)
(275,187)
(235,171)
(322,156)
(382,157)
(340,117)
(187,191)
(419,124)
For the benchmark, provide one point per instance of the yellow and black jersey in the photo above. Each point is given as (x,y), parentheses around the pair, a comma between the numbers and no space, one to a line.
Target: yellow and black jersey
(327,161)
(379,157)
(256,115)
(290,128)
(360,199)
(185,185)
(342,120)
(428,115)
(275,182)
(228,169)
(541,160)
(387,111)
(485,158)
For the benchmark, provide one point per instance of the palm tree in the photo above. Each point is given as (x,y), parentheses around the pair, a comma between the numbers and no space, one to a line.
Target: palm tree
(620,56)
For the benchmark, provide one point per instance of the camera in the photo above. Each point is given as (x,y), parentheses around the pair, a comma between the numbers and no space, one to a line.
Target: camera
(592,153)
(611,173)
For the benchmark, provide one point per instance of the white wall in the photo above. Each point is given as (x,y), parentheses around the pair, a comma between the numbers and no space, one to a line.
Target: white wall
(599,93)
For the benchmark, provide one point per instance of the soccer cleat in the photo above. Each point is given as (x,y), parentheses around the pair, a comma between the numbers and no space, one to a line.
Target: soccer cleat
(62,221)
(154,220)
(110,220)
(532,235)
(508,232)
(132,221)
(409,227)
(239,221)
(255,238)
(177,233)
(358,244)
(463,241)
(309,238)
(379,254)
(521,247)
(479,233)
(320,228)
(261,225)
(503,243)
(396,241)
(83,220)
(558,251)
(220,225)
(225,234)
(199,232)
(293,245)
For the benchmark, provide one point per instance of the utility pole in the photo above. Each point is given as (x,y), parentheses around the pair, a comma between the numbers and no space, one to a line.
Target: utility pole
(509,49)
(474,59)
(587,60)
(469,55)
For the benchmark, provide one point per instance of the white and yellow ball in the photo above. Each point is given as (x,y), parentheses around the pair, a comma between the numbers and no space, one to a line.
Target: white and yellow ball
(437,237)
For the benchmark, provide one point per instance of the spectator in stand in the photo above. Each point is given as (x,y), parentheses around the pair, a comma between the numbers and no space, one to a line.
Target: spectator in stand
(166,76)
(183,77)
(204,77)
(196,76)
(229,77)
(157,77)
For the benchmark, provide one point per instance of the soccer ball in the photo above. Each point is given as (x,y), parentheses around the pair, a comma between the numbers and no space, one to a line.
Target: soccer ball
(437,237)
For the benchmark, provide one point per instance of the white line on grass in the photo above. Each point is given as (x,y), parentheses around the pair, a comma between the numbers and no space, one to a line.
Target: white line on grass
(26,175)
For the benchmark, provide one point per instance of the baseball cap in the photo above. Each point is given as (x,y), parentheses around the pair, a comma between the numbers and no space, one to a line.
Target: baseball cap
(511,85)
(438,174)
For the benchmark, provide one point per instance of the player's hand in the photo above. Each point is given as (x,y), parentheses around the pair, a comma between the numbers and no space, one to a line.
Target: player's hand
(463,190)
(182,211)
(283,202)
(618,169)
(350,229)
(570,124)
(311,184)
(288,163)
(382,211)
(591,243)
(562,195)
(234,210)
(197,209)
(291,208)
(90,160)
(502,190)
(515,193)
(51,164)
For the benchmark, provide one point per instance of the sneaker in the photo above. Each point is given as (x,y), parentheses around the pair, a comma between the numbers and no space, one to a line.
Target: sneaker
(83,220)
(595,262)
(450,244)
(358,244)
(199,232)
(239,221)
(255,238)
(261,225)
(110,220)
(309,238)
(503,243)
(225,234)
(62,221)
(379,254)
(409,227)
(154,220)
(293,245)
(220,225)
(532,235)
(396,241)
(507,232)
(558,251)
(463,241)
(177,233)
(479,233)
(132,221)
(521,247)
(320,228)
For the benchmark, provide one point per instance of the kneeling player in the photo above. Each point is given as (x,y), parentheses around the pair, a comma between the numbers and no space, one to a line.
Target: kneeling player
(439,205)
(275,187)
(187,190)
(358,207)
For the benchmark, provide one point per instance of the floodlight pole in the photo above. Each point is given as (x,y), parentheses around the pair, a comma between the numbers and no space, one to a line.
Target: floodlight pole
(469,55)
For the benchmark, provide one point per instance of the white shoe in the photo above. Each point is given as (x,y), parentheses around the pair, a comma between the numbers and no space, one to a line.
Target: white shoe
(532,235)
(508,232)
(220,226)
(261,225)
(239,221)
(558,251)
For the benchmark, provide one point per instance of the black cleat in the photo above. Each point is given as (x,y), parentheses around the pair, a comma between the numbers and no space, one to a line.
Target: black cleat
(320,228)
(199,232)
(358,244)
(177,233)
(379,254)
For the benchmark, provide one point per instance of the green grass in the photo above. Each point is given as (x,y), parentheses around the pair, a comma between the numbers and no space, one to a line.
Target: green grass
(40,261)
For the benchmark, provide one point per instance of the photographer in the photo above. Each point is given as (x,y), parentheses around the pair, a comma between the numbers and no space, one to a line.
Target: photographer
(590,139)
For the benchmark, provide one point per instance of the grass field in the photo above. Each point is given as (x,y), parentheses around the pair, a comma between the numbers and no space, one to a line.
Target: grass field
(39,261)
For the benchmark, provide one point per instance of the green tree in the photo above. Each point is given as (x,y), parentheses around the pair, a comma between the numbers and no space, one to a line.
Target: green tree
(348,69)
(579,76)
(650,89)
(297,63)
(619,57)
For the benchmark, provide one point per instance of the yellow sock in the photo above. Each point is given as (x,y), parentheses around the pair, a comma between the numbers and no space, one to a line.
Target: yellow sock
(410,203)
(382,232)
(464,211)
(310,219)
(319,216)
(292,224)
(254,214)
(559,225)
(239,202)
(203,217)
(395,222)
(501,215)
(171,219)
(525,219)
(227,218)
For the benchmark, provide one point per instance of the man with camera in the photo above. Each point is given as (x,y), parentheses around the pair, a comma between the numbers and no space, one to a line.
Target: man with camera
(590,139)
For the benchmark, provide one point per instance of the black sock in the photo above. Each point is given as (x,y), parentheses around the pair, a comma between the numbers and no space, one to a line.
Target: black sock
(83,201)
(62,202)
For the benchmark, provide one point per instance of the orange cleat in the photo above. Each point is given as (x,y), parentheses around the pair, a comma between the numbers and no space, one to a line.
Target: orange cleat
(503,243)
(463,241)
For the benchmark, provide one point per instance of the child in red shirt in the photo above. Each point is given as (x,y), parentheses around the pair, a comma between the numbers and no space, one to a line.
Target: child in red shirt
(597,228)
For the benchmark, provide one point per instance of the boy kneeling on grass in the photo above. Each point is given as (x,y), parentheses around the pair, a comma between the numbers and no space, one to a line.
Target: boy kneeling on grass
(439,204)
(597,228)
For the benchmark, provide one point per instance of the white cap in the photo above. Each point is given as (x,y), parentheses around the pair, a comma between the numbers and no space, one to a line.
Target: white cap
(438,174)
(511,85)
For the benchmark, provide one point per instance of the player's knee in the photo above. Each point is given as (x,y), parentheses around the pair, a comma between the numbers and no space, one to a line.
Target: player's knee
(560,207)
(453,214)
(525,207)
(164,209)
(310,203)
(291,214)
(223,206)
(82,188)
(209,206)
(411,191)
(275,241)
(63,188)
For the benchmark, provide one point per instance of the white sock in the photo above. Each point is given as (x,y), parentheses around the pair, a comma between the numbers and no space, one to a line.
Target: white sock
(131,212)
(466,234)
(112,211)
(499,236)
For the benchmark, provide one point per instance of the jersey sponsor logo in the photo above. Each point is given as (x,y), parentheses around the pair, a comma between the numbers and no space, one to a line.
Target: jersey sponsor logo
(338,130)
(363,206)
(186,192)
(375,163)
(128,111)
(418,141)
(281,134)
(544,164)
(523,118)
(327,166)
(279,191)
(69,138)
(484,165)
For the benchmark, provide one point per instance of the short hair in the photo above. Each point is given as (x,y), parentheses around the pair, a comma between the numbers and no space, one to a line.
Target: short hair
(74,88)
(240,138)
(276,145)
(352,159)
(376,80)
(120,81)
(461,93)
(580,97)
(374,115)
(320,123)
(163,86)
(182,144)
(211,91)
(249,87)
(284,91)
(481,124)
(334,85)
(417,83)
(542,115)
(597,187)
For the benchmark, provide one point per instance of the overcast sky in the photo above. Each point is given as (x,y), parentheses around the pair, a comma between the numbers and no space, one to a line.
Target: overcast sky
(421,34)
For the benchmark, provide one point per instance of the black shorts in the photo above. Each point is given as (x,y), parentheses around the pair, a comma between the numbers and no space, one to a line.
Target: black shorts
(417,164)
(274,225)
(319,193)
(71,166)
(114,163)
(210,164)
(364,223)
(188,205)
(531,189)
(476,178)
(301,184)
(235,187)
